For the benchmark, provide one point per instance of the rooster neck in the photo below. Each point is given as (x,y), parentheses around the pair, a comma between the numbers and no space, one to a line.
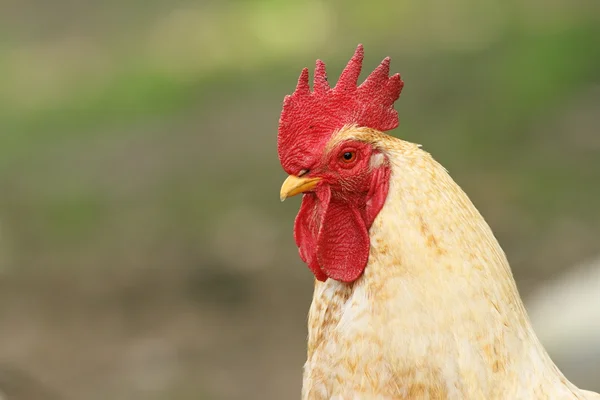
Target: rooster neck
(437,307)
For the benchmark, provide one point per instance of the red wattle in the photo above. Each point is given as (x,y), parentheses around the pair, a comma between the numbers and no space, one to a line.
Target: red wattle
(332,233)
(343,241)
(306,228)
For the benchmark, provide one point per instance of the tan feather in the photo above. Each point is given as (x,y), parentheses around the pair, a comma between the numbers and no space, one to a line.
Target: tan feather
(437,314)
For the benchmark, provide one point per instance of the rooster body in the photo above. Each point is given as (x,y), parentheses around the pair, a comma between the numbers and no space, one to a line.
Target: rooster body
(436,314)
(414,297)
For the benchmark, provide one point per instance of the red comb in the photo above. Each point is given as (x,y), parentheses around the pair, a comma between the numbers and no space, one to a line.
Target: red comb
(310,118)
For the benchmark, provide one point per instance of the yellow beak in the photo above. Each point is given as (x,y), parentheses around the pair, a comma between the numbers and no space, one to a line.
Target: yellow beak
(294,185)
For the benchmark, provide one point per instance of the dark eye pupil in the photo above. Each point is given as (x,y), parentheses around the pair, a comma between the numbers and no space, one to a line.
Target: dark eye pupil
(347,156)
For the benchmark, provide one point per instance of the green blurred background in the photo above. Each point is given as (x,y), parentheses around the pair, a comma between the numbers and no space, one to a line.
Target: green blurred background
(144,252)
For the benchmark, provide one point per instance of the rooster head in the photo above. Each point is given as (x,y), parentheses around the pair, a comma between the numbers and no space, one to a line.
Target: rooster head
(344,181)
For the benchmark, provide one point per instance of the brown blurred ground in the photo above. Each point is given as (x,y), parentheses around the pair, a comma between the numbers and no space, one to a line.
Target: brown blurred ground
(144,252)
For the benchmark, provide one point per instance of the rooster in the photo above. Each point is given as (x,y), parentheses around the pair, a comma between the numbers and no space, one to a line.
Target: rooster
(414,297)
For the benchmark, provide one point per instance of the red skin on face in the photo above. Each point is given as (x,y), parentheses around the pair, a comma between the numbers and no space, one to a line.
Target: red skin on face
(332,227)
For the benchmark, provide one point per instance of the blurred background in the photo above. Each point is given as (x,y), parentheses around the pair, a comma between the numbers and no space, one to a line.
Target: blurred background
(144,252)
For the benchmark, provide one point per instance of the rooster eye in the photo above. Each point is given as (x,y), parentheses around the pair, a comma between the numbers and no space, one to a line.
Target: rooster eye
(348,156)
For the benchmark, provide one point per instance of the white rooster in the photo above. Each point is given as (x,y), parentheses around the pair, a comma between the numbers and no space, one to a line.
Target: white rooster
(414,298)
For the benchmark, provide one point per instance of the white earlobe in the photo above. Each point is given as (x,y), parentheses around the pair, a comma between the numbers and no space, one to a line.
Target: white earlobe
(376,160)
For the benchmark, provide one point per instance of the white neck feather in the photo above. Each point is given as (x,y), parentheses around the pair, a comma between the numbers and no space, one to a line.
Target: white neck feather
(438,290)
